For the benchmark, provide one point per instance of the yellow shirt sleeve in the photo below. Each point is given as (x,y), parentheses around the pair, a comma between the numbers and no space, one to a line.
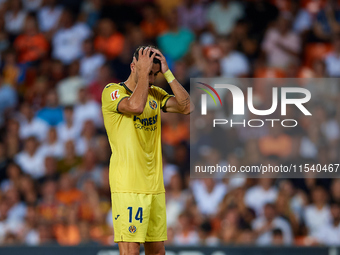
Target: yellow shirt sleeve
(112,95)
(163,97)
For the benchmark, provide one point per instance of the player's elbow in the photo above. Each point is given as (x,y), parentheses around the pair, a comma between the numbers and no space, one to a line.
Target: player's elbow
(189,109)
(137,110)
(134,108)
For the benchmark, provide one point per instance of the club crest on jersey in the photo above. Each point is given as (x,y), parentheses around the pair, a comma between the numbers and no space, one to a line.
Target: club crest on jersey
(132,229)
(153,104)
(114,95)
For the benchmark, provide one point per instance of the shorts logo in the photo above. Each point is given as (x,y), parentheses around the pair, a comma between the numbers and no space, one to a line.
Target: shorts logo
(132,229)
(114,95)
(153,104)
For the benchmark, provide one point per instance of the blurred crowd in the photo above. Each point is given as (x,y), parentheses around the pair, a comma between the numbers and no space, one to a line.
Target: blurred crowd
(56,56)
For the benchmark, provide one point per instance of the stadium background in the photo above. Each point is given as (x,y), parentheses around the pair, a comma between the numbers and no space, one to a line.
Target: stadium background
(56,57)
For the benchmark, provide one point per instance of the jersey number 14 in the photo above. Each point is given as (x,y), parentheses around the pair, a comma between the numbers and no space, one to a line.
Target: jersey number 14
(139,214)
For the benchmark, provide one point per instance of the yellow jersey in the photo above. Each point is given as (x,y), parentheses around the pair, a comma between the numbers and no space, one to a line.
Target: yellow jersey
(136,160)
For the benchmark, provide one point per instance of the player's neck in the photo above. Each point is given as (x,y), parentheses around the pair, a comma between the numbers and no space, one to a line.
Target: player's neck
(130,83)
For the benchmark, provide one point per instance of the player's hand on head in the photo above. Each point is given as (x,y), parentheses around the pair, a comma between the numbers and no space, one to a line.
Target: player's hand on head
(145,61)
(164,64)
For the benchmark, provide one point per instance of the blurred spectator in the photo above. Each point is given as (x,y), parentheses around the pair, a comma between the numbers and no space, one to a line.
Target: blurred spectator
(246,237)
(49,15)
(223,14)
(48,206)
(261,194)
(120,66)
(46,236)
(31,159)
(90,62)
(31,235)
(169,170)
(31,125)
(328,233)
(52,113)
(233,63)
(277,237)
(87,139)
(167,6)
(121,13)
(3,164)
(12,71)
(68,194)
(87,109)
(230,229)
(67,41)
(276,143)
(67,232)
(333,59)
(32,5)
(68,88)
(152,24)
(70,158)
(12,140)
(297,198)
(309,144)
(206,236)
(17,209)
(37,94)
(208,190)
(31,45)
(176,199)
(91,10)
(4,38)
(52,146)
(85,237)
(192,15)
(267,225)
(328,20)
(260,14)
(15,17)
(68,129)
(303,21)
(104,77)
(186,235)
(335,190)
(318,213)
(13,173)
(51,173)
(87,170)
(281,45)
(109,41)
(8,100)
(175,43)
(174,131)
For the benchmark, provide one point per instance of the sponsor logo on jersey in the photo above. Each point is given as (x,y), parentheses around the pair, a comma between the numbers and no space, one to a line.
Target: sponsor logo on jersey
(153,104)
(114,95)
(132,229)
(146,121)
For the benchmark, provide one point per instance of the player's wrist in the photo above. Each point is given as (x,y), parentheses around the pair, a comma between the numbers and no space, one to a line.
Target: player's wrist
(143,76)
(169,76)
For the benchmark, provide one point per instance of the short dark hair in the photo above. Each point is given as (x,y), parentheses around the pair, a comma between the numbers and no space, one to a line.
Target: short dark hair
(155,60)
(277,232)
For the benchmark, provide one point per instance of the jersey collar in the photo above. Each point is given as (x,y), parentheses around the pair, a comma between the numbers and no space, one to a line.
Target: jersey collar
(123,84)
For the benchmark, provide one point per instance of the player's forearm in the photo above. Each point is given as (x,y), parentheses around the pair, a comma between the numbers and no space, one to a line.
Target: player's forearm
(182,97)
(138,98)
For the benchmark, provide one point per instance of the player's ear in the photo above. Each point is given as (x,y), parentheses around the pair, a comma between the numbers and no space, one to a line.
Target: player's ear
(133,65)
